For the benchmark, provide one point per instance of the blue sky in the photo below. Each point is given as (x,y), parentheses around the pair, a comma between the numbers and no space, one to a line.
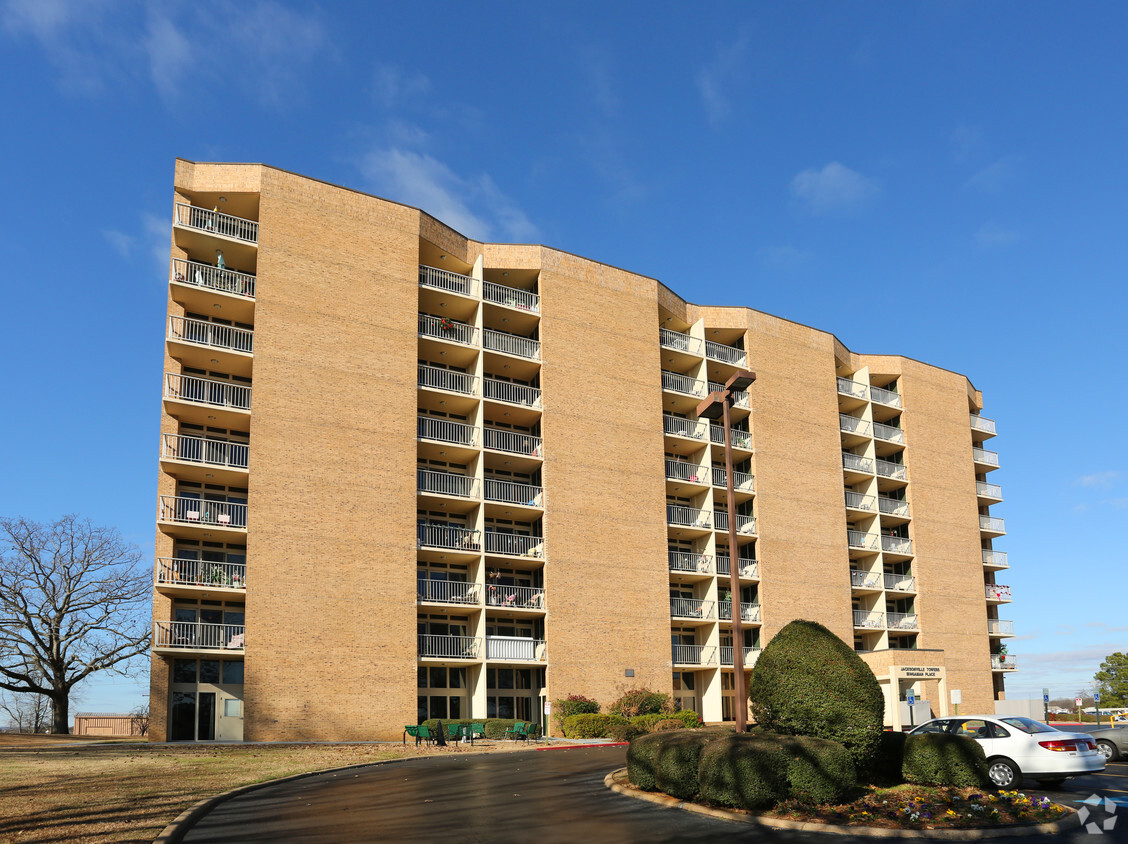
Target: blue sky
(945,181)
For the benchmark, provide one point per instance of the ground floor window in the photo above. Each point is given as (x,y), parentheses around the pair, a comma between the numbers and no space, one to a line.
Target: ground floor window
(685,696)
(206,701)
(442,706)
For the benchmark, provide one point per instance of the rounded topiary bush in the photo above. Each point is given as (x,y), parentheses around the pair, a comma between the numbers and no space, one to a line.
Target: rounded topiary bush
(943,759)
(748,771)
(678,760)
(885,765)
(642,756)
(819,771)
(586,725)
(808,682)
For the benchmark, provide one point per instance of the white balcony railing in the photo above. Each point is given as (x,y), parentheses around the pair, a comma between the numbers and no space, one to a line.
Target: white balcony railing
(677,383)
(446,431)
(852,424)
(889,433)
(992,524)
(434,646)
(213,278)
(442,328)
(445,280)
(216,222)
(201,573)
(986,490)
(198,511)
(748,568)
(679,342)
(446,483)
(515,649)
(511,297)
(739,397)
(514,544)
(987,458)
(510,344)
(744,524)
(900,582)
(679,470)
(893,471)
(694,655)
(750,656)
(447,592)
(893,506)
(852,388)
(995,558)
(448,536)
(857,463)
(865,579)
(998,627)
(886,397)
(740,439)
(861,539)
(515,597)
(871,620)
(511,393)
(858,501)
(204,450)
(726,354)
(901,621)
(997,592)
(207,391)
(195,635)
(741,481)
(982,423)
(896,545)
(512,442)
(211,334)
(748,612)
(509,492)
(676,514)
(1003,662)
(675,426)
(690,608)
(450,380)
(684,561)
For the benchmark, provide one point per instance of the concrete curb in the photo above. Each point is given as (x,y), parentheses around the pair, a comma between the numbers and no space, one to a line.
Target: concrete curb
(617,782)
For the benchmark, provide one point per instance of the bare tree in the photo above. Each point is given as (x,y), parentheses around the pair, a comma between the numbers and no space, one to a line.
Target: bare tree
(139,720)
(27,713)
(72,603)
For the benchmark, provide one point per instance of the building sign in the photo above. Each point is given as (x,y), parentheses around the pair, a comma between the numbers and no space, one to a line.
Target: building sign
(919,672)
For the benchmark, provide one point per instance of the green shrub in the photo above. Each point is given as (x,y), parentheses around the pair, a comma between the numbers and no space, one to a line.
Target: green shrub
(622,732)
(572,705)
(640,702)
(642,755)
(646,722)
(744,770)
(943,759)
(819,771)
(808,682)
(617,719)
(667,724)
(690,719)
(586,725)
(885,766)
(678,760)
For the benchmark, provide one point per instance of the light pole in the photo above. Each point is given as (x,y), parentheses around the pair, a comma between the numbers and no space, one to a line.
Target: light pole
(717,405)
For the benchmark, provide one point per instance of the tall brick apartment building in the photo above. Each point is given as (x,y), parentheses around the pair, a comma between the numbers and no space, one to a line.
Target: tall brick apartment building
(407,474)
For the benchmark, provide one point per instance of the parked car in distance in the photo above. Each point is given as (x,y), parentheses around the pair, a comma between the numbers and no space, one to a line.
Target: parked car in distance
(1112,742)
(1017,746)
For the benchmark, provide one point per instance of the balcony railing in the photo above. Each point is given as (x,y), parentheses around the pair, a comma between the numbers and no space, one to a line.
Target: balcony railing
(847,387)
(510,344)
(982,423)
(740,439)
(450,380)
(675,426)
(995,558)
(216,222)
(514,544)
(446,431)
(869,619)
(748,612)
(690,608)
(196,635)
(997,592)
(1003,662)
(739,397)
(750,656)
(207,391)
(900,582)
(679,342)
(447,592)
(744,524)
(678,470)
(861,539)
(998,627)
(741,481)
(748,568)
(857,463)
(686,562)
(446,483)
(438,279)
(987,458)
(852,424)
(893,506)
(204,450)
(201,573)
(726,354)
(676,514)
(896,545)
(889,433)
(678,383)
(511,393)
(858,501)
(886,397)
(992,524)
(442,328)
(694,655)
(512,442)
(865,579)
(988,490)
(511,297)
(214,278)
(515,597)
(901,621)
(210,334)
(449,536)
(508,492)
(223,514)
(893,471)
(515,649)
(448,647)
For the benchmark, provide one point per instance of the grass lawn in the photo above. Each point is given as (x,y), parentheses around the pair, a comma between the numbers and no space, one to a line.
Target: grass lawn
(129,791)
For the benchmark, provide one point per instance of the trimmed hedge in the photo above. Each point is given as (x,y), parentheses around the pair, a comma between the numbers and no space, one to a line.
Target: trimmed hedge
(743,770)
(808,682)
(819,771)
(943,759)
(495,727)
(572,705)
(885,766)
(622,732)
(642,758)
(678,760)
(587,725)
(688,718)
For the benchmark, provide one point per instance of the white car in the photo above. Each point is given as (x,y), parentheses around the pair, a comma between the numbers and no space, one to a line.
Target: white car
(1017,746)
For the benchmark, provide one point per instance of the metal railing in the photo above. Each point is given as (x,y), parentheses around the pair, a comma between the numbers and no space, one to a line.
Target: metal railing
(198,635)
(511,393)
(982,423)
(446,483)
(852,424)
(889,433)
(997,592)
(858,501)
(694,654)
(744,524)
(446,431)
(442,328)
(992,524)
(690,608)
(748,612)
(988,458)
(214,278)
(681,471)
(677,514)
(865,579)
(727,354)
(511,297)
(901,621)
(891,470)
(679,342)
(896,545)
(995,558)
(687,562)
(515,597)
(741,481)
(210,334)
(988,490)
(675,426)
(499,439)
(515,649)
(216,222)
(446,280)
(448,647)
(201,573)
(510,344)
(174,508)
(678,383)
(861,539)
(750,655)
(1003,662)
(900,582)
(852,388)
(436,378)
(998,627)
(514,544)
(207,391)
(739,397)
(448,536)
(740,439)
(857,463)
(204,450)
(447,592)
(748,567)
(870,619)
(892,506)
(510,492)
(886,397)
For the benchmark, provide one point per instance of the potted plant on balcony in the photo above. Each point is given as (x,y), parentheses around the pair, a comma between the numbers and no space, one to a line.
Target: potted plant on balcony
(445,324)
(1002,653)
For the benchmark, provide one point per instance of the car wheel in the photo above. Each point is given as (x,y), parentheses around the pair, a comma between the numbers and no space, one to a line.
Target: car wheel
(1108,750)
(1003,772)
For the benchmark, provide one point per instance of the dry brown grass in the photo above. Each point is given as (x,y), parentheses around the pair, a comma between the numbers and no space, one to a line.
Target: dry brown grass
(131,791)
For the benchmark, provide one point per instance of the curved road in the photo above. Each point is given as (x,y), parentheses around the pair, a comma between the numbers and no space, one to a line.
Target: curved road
(545,796)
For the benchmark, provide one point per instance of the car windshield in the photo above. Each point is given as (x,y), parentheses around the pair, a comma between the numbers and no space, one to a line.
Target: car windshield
(1028,725)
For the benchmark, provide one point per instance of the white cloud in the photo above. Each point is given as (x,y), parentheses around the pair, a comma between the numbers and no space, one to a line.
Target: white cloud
(714,79)
(596,64)
(120,241)
(994,177)
(835,188)
(391,85)
(169,53)
(1101,480)
(992,234)
(157,239)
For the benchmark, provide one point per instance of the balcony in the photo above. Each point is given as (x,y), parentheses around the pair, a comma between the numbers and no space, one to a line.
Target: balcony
(998,627)
(448,380)
(857,501)
(888,433)
(197,512)
(515,597)
(511,442)
(748,612)
(678,470)
(750,656)
(182,636)
(995,559)
(982,423)
(218,453)
(900,582)
(213,335)
(444,431)
(176,573)
(997,593)
(739,397)
(676,514)
(861,540)
(515,649)
(1003,662)
(447,281)
(986,490)
(740,439)
(221,280)
(447,592)
(748,568)
(510,344)
(223,399)
(741,481)
(442,328)
(429,482)
(514,544)
(990,524)
(869,580)
(745,525)
(510,297)
(985,458)
(694,655)
(901,621)
(725,354)
(509,492)
(893,506)
(675,426)
(679,342)
(869,619)
(691,608)
(897,545)
(853,389)
(857,463)
(885,397)
(675,382)
(433,646)
(450,537)
(853,425)
(510,393)
(216,222)
(687,563)
(893,471)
